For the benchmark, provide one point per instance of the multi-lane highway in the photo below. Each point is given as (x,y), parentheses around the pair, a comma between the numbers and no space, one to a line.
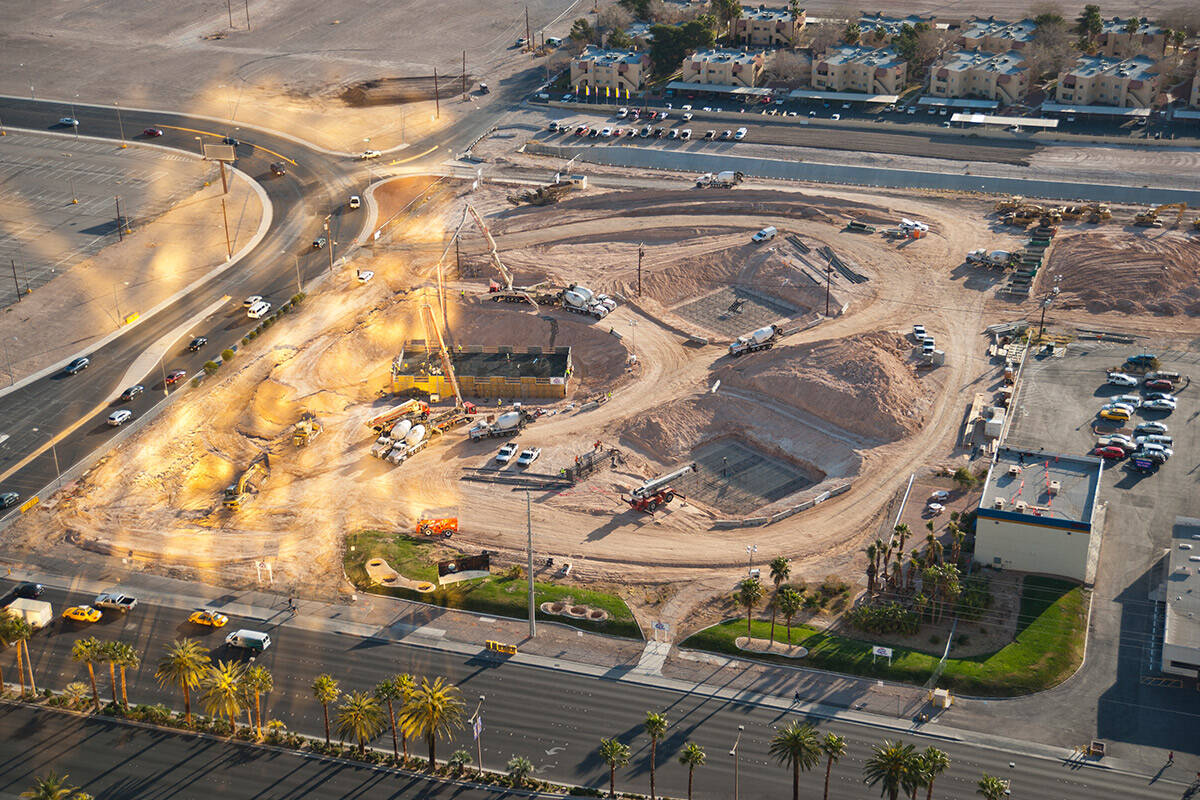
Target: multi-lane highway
(555,717)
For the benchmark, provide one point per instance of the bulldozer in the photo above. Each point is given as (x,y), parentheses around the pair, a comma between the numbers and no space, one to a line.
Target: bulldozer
(1098,212)
(1149,217)
(1053,214)
(1010,204)
(1196,224)
(307,429)
(249,481)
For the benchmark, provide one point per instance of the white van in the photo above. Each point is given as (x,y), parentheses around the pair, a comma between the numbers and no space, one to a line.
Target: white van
(766,234)
(249,640)
(258,310)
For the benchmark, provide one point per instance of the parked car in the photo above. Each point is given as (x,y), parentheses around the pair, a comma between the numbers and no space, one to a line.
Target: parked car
(528,456)
(152,133)
(1160,385)
(1142,359)
(622,113)
(739,134)
(197,343)
(175,376)
(78,365)
(710,134)
(119,418)
(659,132)
(645,132)
(1109,452)
(606,132)
(1146,428)
(835,117)
(673,133)
(1159,405)
(685,134)
(506,453)
(1115,414)
(687,116)
(1121,379)
(726,135)
(1161,396)
(363,275)
(1132,400)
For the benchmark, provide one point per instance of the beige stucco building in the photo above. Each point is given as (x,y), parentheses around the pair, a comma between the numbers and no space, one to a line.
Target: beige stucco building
(880,28)
(1195,96)
(725,67)
(996,35)
(1100,81)
(849,68)
(1003,77)
(768,27)
(601,68)
(1116,42)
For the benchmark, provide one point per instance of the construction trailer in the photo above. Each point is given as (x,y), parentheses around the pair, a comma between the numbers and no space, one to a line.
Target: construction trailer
(251,480)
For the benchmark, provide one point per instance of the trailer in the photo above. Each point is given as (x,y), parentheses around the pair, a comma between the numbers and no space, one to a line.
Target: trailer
(38,613)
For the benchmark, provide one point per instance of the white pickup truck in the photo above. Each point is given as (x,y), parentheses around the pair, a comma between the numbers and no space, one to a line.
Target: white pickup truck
(115,601)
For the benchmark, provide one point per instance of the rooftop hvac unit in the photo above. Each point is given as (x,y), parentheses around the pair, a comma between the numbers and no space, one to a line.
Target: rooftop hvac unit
(1055,487)
(998,502)
(1013,469)
(1020,505)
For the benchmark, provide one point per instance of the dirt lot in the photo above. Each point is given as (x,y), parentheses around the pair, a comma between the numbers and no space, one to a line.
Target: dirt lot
(839,401)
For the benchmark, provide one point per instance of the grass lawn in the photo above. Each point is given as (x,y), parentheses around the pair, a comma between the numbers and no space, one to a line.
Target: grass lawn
(504,594)
(1047,649)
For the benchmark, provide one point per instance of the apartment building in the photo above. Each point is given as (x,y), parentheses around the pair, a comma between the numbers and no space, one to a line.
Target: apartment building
(1195,96)
(613,69)
(878,28)
(1100,81)
(1003,77)
(996,35)
(851,68)
(768,27)
(725,67)
(1116,41)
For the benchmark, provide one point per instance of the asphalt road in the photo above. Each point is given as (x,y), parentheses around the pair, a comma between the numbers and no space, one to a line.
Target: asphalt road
(555,718)
(112,761)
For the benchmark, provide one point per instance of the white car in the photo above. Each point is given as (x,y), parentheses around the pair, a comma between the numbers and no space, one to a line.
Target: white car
(1153,428)
(1134,400)
(622,113)
(687,116)
(739,134)
(118,418)
(606,132)
(919,332)
(685,134)
(939,496)
(251,301)
(1159,405)
(70,122)
(368,154)
(506,453)
(364,275)
(355,201)
(836,116)
(528,456)
(1121,379)
(258,310)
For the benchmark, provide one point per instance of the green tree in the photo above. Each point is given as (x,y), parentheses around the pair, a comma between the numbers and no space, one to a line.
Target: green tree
(1090,23)
(258,681)
(1132,24)
(110,654)
(390,690)
(656,728)
(790,602)
(670,44)
(88,651)
(639,8)
(781,570)
(582,31)
(873,551)
(221,689)
(432,710)
(905,42)
(126,657)
(518,768)
(749,592)
(852,33)
(991,788)
(797,748)
(965,478)
(891,765)
(360,718)
(691,756)
(1179,37)
(53,787)
(325,690)
(933,763)
(1048,18)
(615,754)
(620,40)
(834,747)
(726,11)
(183,665)
(16,631)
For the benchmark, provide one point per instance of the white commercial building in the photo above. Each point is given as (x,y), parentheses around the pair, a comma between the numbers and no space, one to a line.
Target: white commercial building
(1181,628)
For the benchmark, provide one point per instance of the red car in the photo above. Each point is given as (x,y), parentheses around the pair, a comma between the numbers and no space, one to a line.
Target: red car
(1109,452)
(1160,385)
(151,133)
(176,376)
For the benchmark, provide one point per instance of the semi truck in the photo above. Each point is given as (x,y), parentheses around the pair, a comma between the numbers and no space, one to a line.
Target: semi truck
(582,300)
(37,613)
(509,423)
(762,339)
(383,422)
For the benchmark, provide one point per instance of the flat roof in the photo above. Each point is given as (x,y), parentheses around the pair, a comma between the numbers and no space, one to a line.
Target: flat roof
(1136,68)
(989,119)
(957,102)
(1019,31)
(719,88)
(726,54)
(891,25)
(606,56)
(1073,501)
(1182,628)
(878,57)
(1110,111)
(1007,63)
(860,97)
(767,14)
(1183,113)
(1117,25)
(479,362)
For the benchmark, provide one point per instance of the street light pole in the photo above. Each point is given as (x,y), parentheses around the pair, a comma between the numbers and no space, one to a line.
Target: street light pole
(734,752)
(751,549)
(120,125)
(529,565)
(477,731)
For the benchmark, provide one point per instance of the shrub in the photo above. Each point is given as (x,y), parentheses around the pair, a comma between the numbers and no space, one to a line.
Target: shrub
(585,791)
(888,617)
(246,340)
(211,366)
(833,585)
(227,355)
(253,334)
(296,298)
(976,598)
(518,768)
(964,478)
(460,760)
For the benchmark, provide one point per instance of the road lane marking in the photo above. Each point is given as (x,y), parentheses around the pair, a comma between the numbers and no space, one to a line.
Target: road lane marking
(222,136)
(414,158)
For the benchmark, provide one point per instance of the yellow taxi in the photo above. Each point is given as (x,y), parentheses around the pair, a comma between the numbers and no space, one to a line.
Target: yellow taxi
(1116,414)
(82,614)
(208,617)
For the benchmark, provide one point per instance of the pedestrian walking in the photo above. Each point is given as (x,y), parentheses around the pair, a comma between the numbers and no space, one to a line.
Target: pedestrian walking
(796,696)
(1171,757)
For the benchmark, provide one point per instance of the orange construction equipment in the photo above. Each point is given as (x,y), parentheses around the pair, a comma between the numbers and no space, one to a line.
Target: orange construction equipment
(445,527)
(650,503)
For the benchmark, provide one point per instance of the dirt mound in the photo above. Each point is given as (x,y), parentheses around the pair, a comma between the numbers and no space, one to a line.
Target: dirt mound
(388,91)
(1111,270)
(270,411)
(863,384)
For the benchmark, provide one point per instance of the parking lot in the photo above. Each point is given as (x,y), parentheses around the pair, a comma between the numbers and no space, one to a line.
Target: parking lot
(1055,410)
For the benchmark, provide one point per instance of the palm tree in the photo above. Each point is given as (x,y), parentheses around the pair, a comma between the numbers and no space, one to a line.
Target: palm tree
(258,681)
(15,630)
(933,763)
(834,747)
(360,717)
(872,566)
(890,765)
(518,768)
(126,657)
(325,690)
(88,651)
(691,756)
(183,665)
(781,570)
(960,536)
(797,747)
(991,788)
(656,728)
(74,694)
(790,602)
(615,754)
(390,690)
(749,592)
(902,531)
(50,787)
(914,567)
(109,654)
(432,710)
(222,687)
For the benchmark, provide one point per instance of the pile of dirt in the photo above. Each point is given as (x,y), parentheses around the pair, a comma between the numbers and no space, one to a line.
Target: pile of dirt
(389,91)
(863,384)
(1110,270)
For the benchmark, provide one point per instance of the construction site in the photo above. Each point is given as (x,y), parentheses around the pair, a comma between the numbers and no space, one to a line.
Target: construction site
(691,386)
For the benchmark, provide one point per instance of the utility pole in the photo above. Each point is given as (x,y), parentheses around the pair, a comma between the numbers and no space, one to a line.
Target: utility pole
(116,305)
(828,279)
(247,15)
(224,180)
(464,76)
(528,41)
(641,253)
(121,125)
(229,8)
(437,103)
(120,227)
(329,243)
(529,542)
(16,285)
(228,246)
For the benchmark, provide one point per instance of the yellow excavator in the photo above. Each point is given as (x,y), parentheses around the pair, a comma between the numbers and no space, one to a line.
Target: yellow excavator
(1149,217)
(307,429)
(250,480)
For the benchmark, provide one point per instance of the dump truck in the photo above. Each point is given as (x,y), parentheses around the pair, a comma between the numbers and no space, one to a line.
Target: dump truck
(38,613)
(384,422)
(582,300)
(994,258)
(250,480)
(762,339)
(307,429)
(509,423)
